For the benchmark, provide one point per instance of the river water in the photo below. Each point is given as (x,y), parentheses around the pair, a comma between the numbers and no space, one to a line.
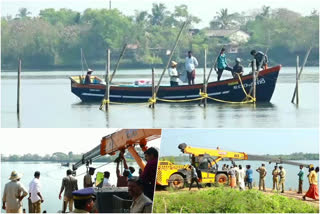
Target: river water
(51,175)
(47,101)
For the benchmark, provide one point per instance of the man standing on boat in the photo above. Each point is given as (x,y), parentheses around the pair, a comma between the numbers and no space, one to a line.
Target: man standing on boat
(222,64)
(88,77)
(261,59)
(237,68)
(191,64)
(173,73)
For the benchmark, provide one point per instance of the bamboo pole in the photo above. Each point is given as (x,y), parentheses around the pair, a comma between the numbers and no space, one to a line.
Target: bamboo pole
(254,79)
(153,89)
(213,65)
(107,93)
(171,54)
(19,88)
(297,81)
(301,69)
(118,62)
(204,77)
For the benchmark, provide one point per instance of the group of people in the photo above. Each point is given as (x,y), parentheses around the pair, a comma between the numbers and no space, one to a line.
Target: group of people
(140,188)
(14,192)
(242,178)
(261,60)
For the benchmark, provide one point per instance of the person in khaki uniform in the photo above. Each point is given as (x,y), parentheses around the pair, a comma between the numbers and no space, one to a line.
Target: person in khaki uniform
(282,175)
(13,194)
(263,173)
(87,179)
(275,174)
(69,184)
(141,203)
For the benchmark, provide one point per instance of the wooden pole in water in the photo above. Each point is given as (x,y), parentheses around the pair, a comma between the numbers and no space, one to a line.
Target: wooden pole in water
(297,81)
(171,54)
(106,96)
(254,81)
(204,77)
(117,65)
(153,89)
(301,69)
(18,88)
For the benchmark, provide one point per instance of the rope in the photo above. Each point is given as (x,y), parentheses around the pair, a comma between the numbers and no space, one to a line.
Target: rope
(153,99)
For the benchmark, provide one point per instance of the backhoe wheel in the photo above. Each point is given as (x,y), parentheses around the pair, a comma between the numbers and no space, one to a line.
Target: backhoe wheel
(176,181)
(221,178)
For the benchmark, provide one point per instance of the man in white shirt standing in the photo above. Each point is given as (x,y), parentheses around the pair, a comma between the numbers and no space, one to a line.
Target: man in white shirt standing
(13,194)
(173,73)
(34,193)
(106,182)
(191,64)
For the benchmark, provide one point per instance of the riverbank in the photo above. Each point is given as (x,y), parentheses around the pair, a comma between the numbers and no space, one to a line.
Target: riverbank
(227,200)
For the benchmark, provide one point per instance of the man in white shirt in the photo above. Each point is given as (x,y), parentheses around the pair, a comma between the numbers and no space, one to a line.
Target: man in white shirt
(173,73)
(13,194)
(191,64)
(34,193)
(106,182)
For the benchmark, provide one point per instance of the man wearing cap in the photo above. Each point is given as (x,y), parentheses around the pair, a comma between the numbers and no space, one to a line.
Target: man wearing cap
(13,194)
(222,64)
(87,179)
(88,77)
(282,175)
(35,194)
(69,184)
(173,73)
(237,68)
(83,200)
(141,203)
(191,64)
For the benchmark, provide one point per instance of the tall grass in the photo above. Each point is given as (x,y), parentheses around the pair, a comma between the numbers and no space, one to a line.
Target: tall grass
(226,200)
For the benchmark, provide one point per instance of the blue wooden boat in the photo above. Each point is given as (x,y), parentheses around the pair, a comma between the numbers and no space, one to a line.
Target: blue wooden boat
(227,90)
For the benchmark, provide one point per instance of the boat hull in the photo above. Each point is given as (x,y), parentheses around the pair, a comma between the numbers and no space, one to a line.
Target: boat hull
(227,90)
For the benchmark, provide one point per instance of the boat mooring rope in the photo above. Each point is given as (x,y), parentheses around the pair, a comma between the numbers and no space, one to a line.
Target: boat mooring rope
(153,99)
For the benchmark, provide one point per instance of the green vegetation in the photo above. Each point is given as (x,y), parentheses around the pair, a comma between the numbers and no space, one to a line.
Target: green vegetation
(293,156)
(60,157)
(53,38)
(227,200)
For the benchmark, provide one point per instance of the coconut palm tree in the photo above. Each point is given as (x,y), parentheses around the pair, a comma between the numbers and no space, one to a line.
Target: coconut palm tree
(223,20)
(23,13)
(158,14)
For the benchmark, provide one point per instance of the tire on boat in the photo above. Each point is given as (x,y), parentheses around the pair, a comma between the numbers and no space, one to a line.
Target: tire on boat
(176,181)
(222,178)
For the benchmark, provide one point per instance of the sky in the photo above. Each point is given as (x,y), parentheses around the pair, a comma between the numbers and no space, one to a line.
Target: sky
(250,141)
(204,9)
(48,141)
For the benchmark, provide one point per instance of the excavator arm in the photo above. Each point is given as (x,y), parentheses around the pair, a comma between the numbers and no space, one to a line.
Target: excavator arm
(125,139)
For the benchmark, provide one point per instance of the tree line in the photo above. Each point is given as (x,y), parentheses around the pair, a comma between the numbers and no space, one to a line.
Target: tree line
(53,39)
(61,157)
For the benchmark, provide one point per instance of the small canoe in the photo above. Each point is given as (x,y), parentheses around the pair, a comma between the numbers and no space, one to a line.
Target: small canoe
(227,90)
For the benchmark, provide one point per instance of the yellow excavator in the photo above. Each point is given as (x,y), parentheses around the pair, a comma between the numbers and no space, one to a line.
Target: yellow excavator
(206,160)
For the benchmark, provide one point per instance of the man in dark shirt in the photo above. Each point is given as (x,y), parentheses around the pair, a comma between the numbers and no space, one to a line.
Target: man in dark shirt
(261,59)
(88,77)
(149,173)
(69,184)
(237,68)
